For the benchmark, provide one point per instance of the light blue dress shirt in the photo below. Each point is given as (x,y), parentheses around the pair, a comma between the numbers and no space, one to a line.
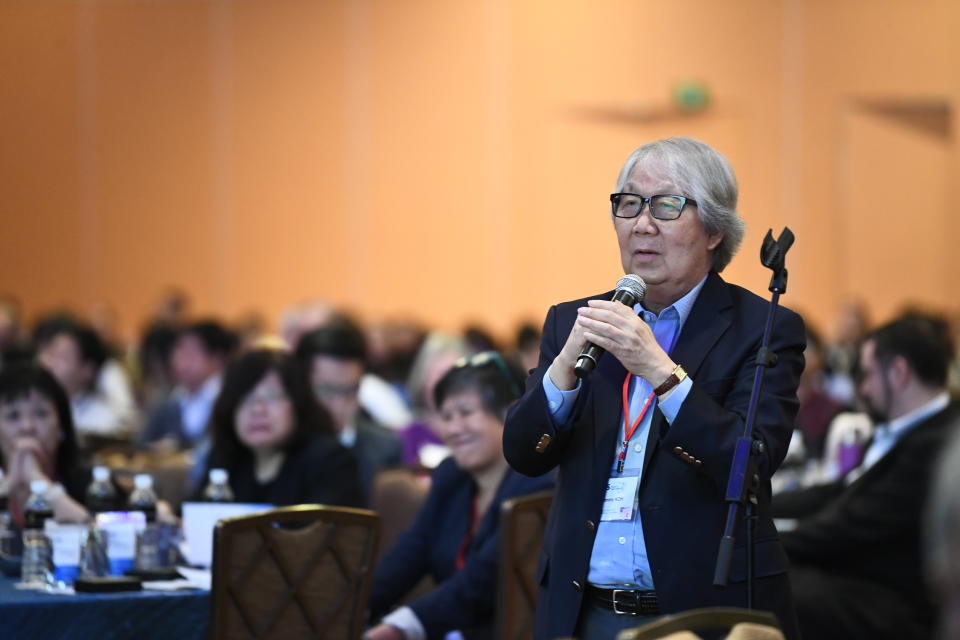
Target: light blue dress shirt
(610,565)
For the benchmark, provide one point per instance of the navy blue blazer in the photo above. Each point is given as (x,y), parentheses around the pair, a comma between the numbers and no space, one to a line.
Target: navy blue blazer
(462,599)
(681,495)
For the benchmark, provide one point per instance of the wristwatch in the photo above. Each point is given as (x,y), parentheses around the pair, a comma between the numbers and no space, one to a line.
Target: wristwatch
(675,378)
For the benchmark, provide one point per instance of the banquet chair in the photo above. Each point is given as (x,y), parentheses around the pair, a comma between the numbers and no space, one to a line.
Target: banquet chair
(522,524)
(706,619)
(293,572)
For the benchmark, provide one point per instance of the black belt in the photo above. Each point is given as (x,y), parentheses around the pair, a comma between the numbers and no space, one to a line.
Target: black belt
(626,602)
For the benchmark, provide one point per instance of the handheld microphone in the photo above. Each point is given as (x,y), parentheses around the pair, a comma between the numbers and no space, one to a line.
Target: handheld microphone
(630,290)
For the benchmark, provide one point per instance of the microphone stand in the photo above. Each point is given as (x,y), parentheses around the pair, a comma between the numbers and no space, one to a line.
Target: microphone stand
(743,481)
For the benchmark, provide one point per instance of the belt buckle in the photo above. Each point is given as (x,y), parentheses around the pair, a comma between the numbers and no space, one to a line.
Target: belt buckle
(618,611)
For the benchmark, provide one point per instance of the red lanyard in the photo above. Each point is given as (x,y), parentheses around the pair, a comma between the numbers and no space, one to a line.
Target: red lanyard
(628,431)
(461,559)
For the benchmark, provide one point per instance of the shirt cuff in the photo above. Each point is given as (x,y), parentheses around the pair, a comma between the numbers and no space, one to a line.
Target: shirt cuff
(559,403)
(671,401)
(407,621)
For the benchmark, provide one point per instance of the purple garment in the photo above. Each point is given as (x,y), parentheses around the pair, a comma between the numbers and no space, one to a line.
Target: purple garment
(414,436)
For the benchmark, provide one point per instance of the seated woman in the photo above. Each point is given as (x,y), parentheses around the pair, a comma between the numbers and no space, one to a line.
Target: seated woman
(454,538)
(275,440)
(37,442)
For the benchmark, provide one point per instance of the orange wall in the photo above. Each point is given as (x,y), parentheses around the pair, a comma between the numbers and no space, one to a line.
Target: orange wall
(447,159)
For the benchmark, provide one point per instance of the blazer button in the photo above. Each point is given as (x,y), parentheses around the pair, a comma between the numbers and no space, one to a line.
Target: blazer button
(591,526)
(577,586)
(543,443)
(678,450)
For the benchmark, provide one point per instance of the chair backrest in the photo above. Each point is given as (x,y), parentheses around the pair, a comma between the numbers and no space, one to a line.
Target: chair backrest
(297,572)
(522,524)
(707,619)
(397,496)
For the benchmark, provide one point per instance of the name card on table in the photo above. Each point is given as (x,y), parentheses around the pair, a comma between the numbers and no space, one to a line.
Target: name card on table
(199,519)
(66,540)
(121,528)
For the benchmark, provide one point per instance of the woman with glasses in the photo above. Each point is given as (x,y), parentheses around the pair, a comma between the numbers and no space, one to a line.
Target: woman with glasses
(275,440)
(454,538)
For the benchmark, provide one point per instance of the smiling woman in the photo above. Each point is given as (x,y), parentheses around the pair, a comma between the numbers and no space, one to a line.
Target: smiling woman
(275,440)
(454,538)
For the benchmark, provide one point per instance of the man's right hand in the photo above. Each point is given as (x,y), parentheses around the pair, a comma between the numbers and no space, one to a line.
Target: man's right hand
(561,369)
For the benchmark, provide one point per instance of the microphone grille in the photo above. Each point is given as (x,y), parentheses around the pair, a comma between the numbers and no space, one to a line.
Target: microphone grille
(634,284)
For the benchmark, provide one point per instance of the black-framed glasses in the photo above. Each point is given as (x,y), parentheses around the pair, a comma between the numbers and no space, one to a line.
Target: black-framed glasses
(662,206)
(485,358)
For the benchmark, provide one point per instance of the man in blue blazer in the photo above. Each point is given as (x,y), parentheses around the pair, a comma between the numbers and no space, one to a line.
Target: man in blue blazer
(639,510)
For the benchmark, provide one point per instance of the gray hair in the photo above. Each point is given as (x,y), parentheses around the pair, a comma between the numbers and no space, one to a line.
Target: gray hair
(703,174)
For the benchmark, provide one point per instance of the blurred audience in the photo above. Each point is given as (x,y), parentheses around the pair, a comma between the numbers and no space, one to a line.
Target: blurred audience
(840,356)
(817,407)
(455,536)
(100,395)
(200,353)
(37,442)
(275,440)
(855,552)
(438,353)
(527,347)
(334,358)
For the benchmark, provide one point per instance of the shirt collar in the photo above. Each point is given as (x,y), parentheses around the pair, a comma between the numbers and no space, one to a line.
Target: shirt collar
(207,391)
(896,428)
(681,307)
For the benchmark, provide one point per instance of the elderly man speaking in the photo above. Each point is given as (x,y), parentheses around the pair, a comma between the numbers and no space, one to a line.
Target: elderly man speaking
(644,444)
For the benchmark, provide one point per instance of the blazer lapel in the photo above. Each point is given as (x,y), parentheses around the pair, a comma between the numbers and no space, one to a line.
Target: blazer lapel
(708,320)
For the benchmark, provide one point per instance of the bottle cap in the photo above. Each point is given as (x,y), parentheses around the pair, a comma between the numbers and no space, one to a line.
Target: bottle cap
(218,476)
(143,481)
(101,474)
(39,486)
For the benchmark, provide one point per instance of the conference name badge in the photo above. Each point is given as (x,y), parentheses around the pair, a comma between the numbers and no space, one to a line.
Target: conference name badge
(619,499)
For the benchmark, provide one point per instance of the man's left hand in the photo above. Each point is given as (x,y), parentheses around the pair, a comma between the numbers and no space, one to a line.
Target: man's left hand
(620,331)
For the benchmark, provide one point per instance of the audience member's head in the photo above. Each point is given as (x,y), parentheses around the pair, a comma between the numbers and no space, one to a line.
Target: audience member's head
(73,352)
(436,356)
(201,351)
(527,346)
(300,318)
(479,339)
(473,398)
(334,358)
(265,405)
(903,364)
(392,346)
(35,422)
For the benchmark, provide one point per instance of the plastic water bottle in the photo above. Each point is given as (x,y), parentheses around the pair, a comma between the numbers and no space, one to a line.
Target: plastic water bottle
(143,498)
(37,563)
(101,496)
(148,553)
(218,488)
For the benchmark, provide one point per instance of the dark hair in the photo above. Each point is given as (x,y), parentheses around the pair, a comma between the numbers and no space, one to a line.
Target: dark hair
(922,339)
(342,340)
(216,339)
(17,381)
(92,348)
(498,383)
(310,419)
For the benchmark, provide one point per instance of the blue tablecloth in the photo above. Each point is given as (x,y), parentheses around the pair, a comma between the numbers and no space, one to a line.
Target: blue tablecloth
(139,615)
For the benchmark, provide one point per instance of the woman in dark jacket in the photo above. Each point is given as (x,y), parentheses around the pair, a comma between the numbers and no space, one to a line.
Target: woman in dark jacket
(275,440)
(455,536)
(37,442)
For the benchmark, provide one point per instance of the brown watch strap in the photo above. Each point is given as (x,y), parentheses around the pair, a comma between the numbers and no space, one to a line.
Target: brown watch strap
(675,378)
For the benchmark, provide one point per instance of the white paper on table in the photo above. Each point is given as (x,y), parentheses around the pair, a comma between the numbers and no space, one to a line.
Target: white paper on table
(66,540)
(199,519)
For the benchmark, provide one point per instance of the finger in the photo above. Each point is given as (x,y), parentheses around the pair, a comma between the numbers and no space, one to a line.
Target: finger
(609,305)
(609,316)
